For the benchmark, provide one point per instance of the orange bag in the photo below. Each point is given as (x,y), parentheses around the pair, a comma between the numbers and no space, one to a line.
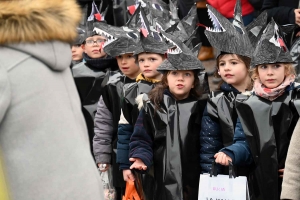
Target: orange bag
(130,192)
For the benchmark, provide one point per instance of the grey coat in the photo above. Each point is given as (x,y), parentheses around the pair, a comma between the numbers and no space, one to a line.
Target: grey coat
(103,133)
(43,136)
(291,177)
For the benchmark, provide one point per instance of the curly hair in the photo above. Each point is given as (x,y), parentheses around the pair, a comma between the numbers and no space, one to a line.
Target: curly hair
(157,93)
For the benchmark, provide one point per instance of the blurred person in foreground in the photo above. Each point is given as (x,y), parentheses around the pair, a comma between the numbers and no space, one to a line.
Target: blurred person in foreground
(43,136)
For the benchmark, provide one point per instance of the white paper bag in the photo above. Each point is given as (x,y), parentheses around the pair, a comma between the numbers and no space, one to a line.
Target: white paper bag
(223,187)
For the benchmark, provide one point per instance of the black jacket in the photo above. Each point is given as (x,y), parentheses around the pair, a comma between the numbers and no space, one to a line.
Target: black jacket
(281,10)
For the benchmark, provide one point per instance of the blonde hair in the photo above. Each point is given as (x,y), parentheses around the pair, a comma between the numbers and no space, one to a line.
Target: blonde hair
(288,70)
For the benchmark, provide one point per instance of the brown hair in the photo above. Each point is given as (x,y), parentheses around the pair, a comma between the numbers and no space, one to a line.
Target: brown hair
(289,69)
(157,93)
(246,60)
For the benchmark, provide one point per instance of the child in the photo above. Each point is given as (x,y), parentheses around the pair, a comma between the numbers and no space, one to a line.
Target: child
(89,75)
(76,49)
(109,108)
(150,54)
(220,137)
(269,115)
(166,131)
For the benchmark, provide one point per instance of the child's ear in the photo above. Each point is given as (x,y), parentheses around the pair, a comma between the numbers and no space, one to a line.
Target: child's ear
(83,46)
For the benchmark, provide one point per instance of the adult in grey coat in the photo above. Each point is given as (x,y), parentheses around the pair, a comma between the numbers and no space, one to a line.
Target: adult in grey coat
(43,136)
(291,177)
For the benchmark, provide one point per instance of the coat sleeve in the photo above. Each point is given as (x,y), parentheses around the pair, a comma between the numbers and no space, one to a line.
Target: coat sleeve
(103,128)
(124,133)
(210,142)
(5,94)
(281,14)
(291,178)
(239,151)
(141,142)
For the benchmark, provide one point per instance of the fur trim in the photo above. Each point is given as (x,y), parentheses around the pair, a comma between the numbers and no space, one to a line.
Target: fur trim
(38,20)
(123,119)
(139,101)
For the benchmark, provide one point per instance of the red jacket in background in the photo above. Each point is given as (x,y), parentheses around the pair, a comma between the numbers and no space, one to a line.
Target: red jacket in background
(226,7)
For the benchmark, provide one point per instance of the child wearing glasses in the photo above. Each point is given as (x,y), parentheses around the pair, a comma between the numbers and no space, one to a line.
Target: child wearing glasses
(92,73)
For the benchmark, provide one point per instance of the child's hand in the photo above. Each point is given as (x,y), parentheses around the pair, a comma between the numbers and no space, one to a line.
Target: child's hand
(222,158)
(127,175)
(103,167)
(281,173)
(137,164)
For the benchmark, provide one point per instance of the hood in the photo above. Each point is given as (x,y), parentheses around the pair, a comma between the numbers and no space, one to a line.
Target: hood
(30,21)
(55,54)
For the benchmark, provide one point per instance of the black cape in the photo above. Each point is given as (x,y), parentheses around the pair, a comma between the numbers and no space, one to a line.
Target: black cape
(90,82)
(221,108)
(176,147)
(268,126)
(129,105)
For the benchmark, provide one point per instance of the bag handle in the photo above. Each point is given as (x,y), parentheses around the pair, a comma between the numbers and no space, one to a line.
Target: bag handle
(213,171)
(130,192)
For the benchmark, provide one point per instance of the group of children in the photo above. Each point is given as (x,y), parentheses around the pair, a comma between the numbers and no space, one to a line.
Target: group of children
(153,119)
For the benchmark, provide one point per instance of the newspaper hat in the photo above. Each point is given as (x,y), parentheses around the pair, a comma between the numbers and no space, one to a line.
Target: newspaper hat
(181,57)
(120,40)
(271,47)
(95,16)
(150,40)
(226,36)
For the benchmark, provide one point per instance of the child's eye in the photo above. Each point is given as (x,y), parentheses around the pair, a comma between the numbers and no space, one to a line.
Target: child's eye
(277,66)
(173,72)
(152,59)
(234,63)
(263,66)
(188,74)
(129,56)
(141,60)
(221,64)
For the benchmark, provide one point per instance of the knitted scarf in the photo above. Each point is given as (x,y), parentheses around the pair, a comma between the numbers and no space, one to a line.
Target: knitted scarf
(271,94)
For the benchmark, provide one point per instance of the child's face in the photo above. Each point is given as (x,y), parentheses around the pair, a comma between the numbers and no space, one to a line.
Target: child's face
(233,70)
(271,75)
(128,66)
(180,83)
(148,63)
(77,52)
(93,46)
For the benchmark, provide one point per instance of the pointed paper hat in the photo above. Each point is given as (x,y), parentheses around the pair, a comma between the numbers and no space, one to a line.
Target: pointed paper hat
(94,17)
(185,28)
(229,37)
(180,57)
(81,35)
(151,41)
(271,47)
(256,27)
(120,40)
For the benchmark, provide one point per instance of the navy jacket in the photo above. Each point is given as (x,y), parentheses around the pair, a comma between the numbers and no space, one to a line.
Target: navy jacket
(211,138)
